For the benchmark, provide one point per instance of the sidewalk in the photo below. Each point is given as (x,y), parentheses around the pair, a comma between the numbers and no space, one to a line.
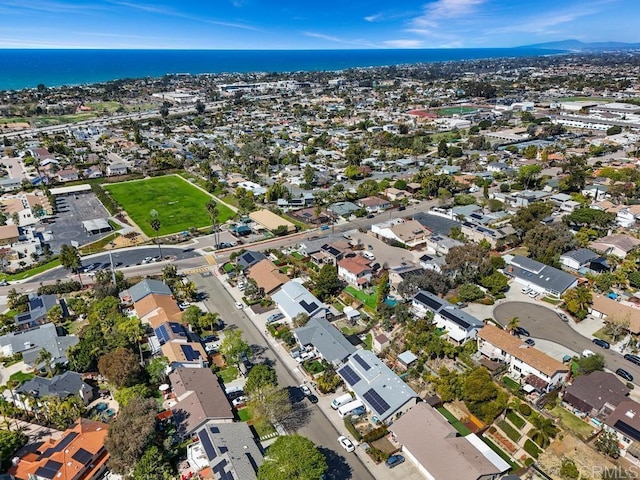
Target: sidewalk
(406,471)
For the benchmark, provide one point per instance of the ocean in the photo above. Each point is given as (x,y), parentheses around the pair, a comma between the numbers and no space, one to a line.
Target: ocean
(22,68)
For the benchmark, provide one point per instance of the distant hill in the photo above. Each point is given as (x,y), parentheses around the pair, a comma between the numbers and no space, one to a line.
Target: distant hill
(578,46)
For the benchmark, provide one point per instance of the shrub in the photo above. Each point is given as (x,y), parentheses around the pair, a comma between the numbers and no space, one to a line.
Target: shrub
(528,462)
(524,409)
(348,424)
(377,455)
(531,448)
(511,432)
(60,287)
(375,434)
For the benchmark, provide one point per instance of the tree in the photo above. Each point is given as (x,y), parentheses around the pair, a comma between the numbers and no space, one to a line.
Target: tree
(528,174)
(157,370)
(589,363)
(70,259)
(164,110)
(617,327)
(192,315)
(153,465)
(214,211)
(11,442)
(132,329)
(547,243)
(309,175)
(270,403)
(467,263)
(63,412)
(293,457)
(577,301)
(120,367)
(45,358)
(130,434)
(430,281)
(528,217)
(124,395)
(383,289)
(234,347)
(327,282)
(545,429)
(590,217)
(495,283)
(470,292)
(607,444)
(155,226)
(259,377)
(568,470)
(200,107)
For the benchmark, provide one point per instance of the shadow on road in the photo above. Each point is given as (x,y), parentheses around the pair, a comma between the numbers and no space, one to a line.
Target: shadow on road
(300,412)
(339,469)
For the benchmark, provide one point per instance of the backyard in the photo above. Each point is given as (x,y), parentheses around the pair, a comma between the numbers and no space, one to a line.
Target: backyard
(180,205)
(369,300)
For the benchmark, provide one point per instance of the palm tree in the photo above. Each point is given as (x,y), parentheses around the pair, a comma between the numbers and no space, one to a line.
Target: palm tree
(545,430)
(70,260)
(212,208)
(513,324)
(155,226)
(45,356)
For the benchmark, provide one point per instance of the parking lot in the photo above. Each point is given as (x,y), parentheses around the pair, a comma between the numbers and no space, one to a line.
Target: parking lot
(66,225)
(382,252)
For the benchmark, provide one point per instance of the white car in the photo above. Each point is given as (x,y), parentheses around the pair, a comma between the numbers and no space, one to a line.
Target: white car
(239,306)
(533,294)
(305,389)
(236,402)
(346,443)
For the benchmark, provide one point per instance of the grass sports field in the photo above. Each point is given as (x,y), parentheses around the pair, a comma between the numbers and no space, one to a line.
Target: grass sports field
(462,110)
(179,204)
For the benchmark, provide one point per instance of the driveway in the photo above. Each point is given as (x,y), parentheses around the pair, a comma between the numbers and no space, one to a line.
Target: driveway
(543,323)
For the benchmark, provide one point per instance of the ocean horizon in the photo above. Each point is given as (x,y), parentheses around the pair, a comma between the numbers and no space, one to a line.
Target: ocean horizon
(28,68)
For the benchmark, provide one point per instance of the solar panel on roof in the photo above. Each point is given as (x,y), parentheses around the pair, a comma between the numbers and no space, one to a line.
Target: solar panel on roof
(428,301)
(248,256)
(214,429)
(207,445)
(46,473)
(62,444)
(349,375)
(454,317)
(362,363)
(221,472)
(162,334)
(376,401)
(176,327)
(82,456)
(309,307)
(35,302)
(627,429)
(189,353)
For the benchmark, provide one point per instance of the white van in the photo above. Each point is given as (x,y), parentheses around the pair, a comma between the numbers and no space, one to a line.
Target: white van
(345,410)
(341,400)
(368,255)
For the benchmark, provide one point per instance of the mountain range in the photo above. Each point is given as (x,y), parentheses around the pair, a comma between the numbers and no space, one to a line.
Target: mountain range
(578,46)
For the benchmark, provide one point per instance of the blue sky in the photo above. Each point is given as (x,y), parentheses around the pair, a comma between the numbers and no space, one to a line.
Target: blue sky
(311,24)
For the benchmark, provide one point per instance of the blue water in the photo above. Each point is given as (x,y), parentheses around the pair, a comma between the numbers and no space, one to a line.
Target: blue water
(53,68)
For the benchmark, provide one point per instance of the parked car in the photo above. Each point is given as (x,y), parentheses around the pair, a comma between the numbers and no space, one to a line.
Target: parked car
(601,343)
(632,358)
(184,305)
(312,398)
(621,372)
(532,294)
(236,402)
(521,331)
(525,290)
(346,443)
(275,317)
(394,461)
(358,412)
(146,260)
(563,317)
(305,390)
(239,306)
(324,227)
(401,208)
(371,215)
(530,341)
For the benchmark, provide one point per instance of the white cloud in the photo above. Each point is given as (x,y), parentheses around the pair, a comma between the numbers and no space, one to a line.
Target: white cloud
(346,41)
(403,43)
(443,9)
(374,18)
(542,23)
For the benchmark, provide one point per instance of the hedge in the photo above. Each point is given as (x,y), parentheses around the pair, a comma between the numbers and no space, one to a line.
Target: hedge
(531,448)
(515,419)
(60,287)
(375,434)
(511,432)
(352,429)
(524,409)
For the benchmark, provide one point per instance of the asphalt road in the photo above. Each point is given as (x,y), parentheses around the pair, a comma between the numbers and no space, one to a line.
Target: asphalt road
(542,322)
(309,420)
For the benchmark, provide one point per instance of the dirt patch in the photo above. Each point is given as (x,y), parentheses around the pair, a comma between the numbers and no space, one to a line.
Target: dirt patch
(586,458)
(385,445)
(125,241)
(258,309)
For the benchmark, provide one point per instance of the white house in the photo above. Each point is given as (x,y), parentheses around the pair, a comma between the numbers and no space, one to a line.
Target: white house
(408,232)
(577,259)
(526,364)
(355,270)
(538,276)
(293,299)
(458,325)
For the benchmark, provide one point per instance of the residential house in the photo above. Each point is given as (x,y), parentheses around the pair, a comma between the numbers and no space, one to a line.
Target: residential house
(248,259)
(270,221)
(342,209)
(379,343)
(79,454)
(94,171)
(597,192)
(579,259)
(395,194)
(596,394)
(157,308)
(355,271)
(332,253)
(409,233)
(293,300)
(618,244)
(226,451)
(187,354)
(68,174)
(432,262)
(374,204)
(311,216)
(9,184)
(9,234)
(441,244)
(199,398)
(267,276)
(30,342)
(538,276)
(116,168)
(497,167)
(478,232)
(458,325)
(534,369)
(327,341)
(604,307)
(383,392)
(38,308)
(430,442)
(400,273)
(628,215)
(523,198)
(624,422)
(142,289)
(414,187)
(62,386)
(406,359)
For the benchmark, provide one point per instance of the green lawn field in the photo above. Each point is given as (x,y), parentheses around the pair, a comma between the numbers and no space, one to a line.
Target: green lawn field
(179,204)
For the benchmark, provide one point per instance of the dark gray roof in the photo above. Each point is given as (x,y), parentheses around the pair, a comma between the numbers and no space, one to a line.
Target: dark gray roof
(581,255)
(231,450)
(451,312)
(249,259)
(592,391)
(31,341)
(63,386)
(438,225)
(147,287)
(39,305)
(328,340)
(541,275)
